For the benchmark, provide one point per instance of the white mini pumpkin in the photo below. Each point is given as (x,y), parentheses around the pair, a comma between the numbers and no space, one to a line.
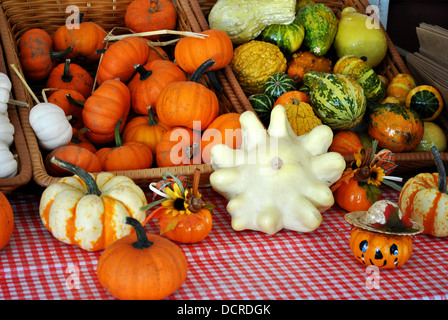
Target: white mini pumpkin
(8,162)
(50,125)
(6,130)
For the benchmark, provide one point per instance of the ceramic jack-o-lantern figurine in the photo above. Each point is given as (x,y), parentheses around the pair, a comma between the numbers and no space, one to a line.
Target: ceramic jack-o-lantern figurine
(382,236)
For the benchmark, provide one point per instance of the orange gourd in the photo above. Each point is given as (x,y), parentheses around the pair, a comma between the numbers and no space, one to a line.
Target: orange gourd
(142,266)
(380,250)
(151,15)
(76,155)
(124,156)
(145,129)
(188,103)
(179,146)
(150,79)
(351,196)
(225,129)
(6,221)
(395,127)
(110,102)
(305,61)
(191,52)
(71,102)
(346,142)
(36,55)
(400,86)
(119,59)
(85,39)
(290,96)
(71,76)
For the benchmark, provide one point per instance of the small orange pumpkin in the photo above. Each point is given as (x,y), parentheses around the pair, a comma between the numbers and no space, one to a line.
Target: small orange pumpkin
(79,139)
(400,86)
(142,266)
(6,221)
(71,76)
(76,155)
(179,146)
(225,129)
(351,196)
(188,103)
(71,102)
(124,156)
(289,96)
(145,129)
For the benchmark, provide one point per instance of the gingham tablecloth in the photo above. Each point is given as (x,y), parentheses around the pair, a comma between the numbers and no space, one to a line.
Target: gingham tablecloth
(227,264)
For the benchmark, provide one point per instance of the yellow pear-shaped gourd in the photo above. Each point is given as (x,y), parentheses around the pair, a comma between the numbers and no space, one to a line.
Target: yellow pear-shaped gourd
(361,36)
(276,180)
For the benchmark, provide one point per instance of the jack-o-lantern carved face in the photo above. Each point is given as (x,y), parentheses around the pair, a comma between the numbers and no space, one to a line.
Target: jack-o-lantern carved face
(381,250)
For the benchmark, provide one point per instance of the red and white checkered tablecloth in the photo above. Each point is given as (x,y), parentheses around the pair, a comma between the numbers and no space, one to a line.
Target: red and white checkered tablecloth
(227,264)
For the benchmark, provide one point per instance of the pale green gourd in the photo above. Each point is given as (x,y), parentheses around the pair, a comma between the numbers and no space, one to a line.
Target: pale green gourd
(245,20)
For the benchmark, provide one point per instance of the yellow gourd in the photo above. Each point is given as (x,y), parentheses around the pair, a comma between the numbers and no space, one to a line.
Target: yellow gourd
(254,62)
(301,117)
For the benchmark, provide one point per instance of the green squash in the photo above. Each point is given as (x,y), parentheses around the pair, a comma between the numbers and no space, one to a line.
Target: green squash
(262,105)
(358,69)
(278,84)
(321,26)
(426,100)
(288,37)
(338,100)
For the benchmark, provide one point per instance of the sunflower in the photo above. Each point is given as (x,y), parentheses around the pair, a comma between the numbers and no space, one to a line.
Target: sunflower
(376,176)
(177,201)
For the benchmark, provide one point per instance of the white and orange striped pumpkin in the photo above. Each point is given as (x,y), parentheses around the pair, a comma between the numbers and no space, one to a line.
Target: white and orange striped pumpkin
(424,199)
(90,211)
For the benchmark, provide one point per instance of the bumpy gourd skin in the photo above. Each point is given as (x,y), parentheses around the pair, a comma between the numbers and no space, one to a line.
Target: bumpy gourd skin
(276,179)
(320,25)
(254,62)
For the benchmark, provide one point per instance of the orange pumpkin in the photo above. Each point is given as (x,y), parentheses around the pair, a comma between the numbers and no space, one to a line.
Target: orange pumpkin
(36,55)
(71,102)
(151,15)
(400,86)
(188,103)
(124,156)
(346,142)
(145,129)
(71,76)
(395,127)
(179,146)
(85,39)
(156,52)
(119,59)
(190,52)
(146,85)
(225,129)
(380,250)
(351,196)
(289,96)
(6,221)
(142,266)
(110,102)
(76,155)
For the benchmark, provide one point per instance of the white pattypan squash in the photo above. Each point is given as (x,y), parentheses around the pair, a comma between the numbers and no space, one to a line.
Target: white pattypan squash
(6,130)
(50,125)
(276,179)
(8,162)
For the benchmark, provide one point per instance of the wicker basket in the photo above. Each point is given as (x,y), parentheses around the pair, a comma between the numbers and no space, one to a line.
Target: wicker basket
(389,67)
(18,16)
(19,146)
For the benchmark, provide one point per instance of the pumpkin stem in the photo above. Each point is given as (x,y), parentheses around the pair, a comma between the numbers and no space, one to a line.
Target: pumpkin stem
(151,119)
(74,101)
(142,239)
(212,76)
(78,133)
(92,187)
(201,70)
(59,54)
(440,169)
(144,74)
(66,76)
(118,142)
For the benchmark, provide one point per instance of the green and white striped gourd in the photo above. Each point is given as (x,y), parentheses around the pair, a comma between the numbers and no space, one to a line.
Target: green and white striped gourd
(288,37)
(358,69)
(338,100)
(278,84)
